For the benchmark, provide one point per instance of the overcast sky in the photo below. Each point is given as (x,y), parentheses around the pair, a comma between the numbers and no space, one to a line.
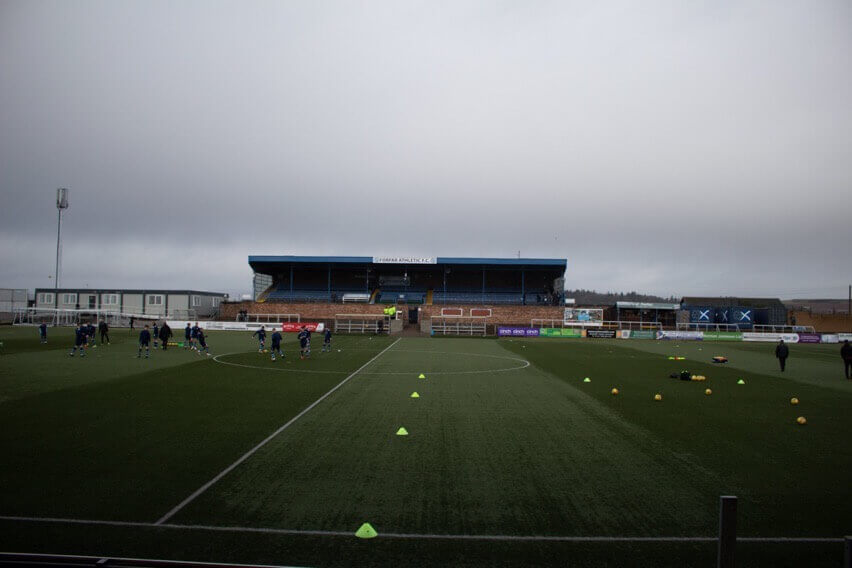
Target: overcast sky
(667,147)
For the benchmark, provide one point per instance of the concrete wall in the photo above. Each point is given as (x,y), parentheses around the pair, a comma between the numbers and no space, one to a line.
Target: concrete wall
(502,315)
(205,307)
(155,309)
(132,303)
(178,302)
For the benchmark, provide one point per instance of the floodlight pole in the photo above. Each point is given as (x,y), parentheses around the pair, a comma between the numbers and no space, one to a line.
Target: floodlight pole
(61,203)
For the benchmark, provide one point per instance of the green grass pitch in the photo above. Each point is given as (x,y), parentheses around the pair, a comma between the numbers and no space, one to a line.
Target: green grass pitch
(505,440)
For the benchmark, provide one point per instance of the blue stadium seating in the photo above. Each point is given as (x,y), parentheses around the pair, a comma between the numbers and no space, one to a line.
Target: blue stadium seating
(455,297)
(286,295)
(392,295)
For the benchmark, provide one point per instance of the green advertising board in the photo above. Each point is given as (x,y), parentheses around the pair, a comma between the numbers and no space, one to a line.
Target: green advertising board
(643,334)
(723,336)
(559,332)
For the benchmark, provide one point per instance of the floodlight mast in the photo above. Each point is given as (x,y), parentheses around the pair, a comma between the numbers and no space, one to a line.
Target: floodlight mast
(61,203)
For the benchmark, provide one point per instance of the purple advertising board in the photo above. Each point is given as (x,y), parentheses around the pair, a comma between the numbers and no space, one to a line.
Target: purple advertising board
(809,338)
(517,332)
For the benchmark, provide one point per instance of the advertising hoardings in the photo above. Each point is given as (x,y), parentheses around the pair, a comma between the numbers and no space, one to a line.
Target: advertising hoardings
(601,333)
(517,332)
(788,337)
(844,337)
(583,316)
(560,332)
(681,335)
(723,336)
(292,327)
(809,337)
(640,334)
(830,338)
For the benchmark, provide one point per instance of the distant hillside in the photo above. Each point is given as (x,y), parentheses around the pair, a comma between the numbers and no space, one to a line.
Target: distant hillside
(591,297)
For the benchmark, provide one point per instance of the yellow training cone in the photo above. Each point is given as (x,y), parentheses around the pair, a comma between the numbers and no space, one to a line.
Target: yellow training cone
(708,391)
(802,420)
(402,432)
(422,376)
(366,531)
(415,395)
(614,391)
(794,400)
(658,397)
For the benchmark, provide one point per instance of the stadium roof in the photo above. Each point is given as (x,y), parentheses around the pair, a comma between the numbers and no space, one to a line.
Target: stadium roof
(732,302)
(255,261)
(647,306)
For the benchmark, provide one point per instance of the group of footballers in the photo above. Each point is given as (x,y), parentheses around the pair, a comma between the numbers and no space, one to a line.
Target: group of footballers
(194,339)
(84,336)
(304,338)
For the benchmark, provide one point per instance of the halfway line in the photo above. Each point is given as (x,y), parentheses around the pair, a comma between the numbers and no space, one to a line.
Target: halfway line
(248,454)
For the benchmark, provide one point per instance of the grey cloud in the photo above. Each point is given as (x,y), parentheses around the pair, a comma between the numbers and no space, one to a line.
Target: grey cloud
(664,146)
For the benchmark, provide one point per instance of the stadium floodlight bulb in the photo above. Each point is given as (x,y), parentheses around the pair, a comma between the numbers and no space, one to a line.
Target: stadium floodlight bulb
(62,198)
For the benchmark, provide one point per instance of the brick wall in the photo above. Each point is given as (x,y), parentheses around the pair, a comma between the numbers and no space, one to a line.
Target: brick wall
(309,311)
(501,315)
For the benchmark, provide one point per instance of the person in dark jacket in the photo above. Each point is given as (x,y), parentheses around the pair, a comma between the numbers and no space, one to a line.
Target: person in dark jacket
(42,333)
(165,335)
(782,352)
(155,334)
(103,328)
(846,353)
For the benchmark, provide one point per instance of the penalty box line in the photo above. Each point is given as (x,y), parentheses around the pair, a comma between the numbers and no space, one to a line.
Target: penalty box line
(249,453)
(416,536)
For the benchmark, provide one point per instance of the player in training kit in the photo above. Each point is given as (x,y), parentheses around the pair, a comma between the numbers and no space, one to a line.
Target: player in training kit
(79,340)
(155,331)
(202,343)
(103,328)
(42,332)
(90,334)
(194,336)
(187,336)
(303,343)
(144,341)
(326,342)
(276,344)
(308,334)
(261,338)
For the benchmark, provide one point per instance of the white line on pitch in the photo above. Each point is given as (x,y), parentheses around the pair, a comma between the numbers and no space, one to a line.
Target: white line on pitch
(412,536)
(248,454)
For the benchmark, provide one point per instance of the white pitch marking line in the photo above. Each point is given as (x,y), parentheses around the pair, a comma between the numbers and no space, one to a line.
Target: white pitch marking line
(248,454)
(216,358)
(420,536)
(291,370)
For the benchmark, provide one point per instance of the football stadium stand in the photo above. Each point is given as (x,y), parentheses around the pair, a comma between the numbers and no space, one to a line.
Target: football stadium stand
(408,280)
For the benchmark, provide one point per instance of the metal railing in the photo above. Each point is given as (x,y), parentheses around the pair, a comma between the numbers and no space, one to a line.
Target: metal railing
(361,323)
(759,328)
(114,317)
(459,325)
(608,324)
(269,318)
